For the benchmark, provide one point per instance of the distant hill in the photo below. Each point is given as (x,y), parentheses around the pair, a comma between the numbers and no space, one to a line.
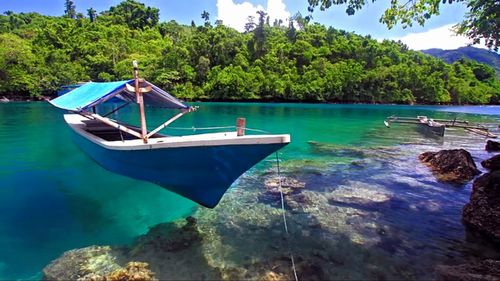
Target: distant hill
(479,55)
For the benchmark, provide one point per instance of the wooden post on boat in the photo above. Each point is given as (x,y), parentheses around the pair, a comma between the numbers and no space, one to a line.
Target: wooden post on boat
(140,101)
(240,126)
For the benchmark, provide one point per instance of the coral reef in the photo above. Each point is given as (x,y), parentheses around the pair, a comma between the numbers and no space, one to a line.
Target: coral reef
(76,264)
(289,186)
(133,271)
(453,166)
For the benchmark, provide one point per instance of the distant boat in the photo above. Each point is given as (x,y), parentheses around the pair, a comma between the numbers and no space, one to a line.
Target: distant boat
(430,126)
(199,167)
(425,125)
(436,127)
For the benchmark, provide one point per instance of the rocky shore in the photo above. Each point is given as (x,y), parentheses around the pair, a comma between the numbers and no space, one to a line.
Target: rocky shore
(481,215)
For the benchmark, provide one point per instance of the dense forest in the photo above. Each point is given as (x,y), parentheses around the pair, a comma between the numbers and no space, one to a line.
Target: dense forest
(299,61)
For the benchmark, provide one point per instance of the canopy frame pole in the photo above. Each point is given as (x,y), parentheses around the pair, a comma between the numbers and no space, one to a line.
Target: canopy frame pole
(169,121)
(116,125)
(116,109)
(140,101)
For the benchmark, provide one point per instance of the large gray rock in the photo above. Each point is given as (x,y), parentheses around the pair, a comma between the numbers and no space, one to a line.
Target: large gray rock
(480,271)
(453,166)
(492,145)
(493,163)
(482,213)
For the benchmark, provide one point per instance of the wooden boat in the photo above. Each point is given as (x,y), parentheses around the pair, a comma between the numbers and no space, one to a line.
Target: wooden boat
(425,125)
(431,127)
(199,167)
(436,127)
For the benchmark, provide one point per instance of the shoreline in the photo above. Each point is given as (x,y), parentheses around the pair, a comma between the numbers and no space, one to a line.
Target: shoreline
(6,99)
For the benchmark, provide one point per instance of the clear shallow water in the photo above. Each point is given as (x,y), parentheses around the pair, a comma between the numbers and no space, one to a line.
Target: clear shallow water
(53,198)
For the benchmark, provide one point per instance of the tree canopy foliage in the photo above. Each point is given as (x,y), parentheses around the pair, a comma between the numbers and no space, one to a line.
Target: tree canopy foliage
(307,62)
(482,22)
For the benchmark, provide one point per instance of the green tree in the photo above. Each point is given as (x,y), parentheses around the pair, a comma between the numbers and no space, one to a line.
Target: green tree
(17,66)
(250,25)
(134,14)
(480,23)
(70,9)
(313,63)
(206,17)
(92,14)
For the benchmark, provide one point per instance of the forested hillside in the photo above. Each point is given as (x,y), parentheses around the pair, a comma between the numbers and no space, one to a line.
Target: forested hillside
(296,62)
(480,55)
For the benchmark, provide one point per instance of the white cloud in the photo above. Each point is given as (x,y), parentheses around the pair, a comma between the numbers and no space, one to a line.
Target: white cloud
(442,37)
(276,10)
(236,15)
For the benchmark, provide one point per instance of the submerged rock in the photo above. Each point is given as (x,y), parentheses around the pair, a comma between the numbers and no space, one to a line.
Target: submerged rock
(90,263)
(301,200)
(484,270)
(493,163)
(482,213)
(453,166)
(169,237)
(289,186)
(171,250)
(492,145)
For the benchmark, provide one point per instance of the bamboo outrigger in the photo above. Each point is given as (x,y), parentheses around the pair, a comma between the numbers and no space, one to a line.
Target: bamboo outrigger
(437,126)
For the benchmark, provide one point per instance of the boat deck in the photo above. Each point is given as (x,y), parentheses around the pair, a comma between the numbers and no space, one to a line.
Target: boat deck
(109,133)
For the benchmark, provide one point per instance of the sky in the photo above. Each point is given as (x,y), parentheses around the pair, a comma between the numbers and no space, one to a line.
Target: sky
(435,34)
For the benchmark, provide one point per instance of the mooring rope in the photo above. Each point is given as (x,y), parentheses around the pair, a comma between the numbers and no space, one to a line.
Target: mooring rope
(284,216)
(216,128)
(201,128)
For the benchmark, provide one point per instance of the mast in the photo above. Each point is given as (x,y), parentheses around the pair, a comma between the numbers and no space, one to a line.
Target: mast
(140,101)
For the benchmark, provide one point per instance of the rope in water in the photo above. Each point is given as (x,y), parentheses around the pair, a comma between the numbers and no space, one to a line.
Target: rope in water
(215,128)
(202,128)
(279,181)
(284,215)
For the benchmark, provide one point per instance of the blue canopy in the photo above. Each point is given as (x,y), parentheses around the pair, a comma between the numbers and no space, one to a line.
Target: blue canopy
(94,93)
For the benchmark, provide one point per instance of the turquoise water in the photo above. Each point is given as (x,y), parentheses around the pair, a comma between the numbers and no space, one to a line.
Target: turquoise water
(53,198)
